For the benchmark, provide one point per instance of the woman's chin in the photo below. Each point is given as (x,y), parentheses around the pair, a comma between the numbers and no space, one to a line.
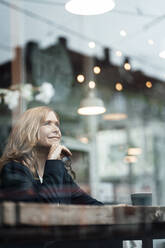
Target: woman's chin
(44,145)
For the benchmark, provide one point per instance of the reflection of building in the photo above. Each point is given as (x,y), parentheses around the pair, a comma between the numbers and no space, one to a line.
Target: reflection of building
(57,64)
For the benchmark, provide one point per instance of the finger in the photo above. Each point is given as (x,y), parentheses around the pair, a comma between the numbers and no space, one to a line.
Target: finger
(66,150)
(55,152)
(54,146)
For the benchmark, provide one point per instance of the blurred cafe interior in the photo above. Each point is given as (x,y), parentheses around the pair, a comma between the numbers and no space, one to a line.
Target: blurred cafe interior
(102,71)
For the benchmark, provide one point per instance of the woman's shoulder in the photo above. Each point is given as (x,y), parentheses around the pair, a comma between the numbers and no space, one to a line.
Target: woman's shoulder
(12,163)
(15,166)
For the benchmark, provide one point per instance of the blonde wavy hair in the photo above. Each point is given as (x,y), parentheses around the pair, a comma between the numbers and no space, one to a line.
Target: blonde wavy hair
(22,141)
(23,138)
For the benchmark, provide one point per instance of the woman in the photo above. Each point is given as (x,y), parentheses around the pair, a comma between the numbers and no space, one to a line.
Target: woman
(32,170)
(31,167)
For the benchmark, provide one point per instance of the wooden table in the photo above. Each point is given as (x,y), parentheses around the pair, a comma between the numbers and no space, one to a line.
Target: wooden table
(45,222)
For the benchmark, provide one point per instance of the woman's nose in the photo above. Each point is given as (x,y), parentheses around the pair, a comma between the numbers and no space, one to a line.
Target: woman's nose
(56,130)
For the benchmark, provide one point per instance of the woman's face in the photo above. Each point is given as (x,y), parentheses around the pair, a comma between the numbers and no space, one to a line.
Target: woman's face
(49,133)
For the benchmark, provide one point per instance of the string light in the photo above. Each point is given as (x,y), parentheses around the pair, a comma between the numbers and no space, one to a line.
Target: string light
(97,69)
(148,84)
(92,84)
(119,87)
(127,66)
(123,33)
(80,78)
(91,44)
(118,53)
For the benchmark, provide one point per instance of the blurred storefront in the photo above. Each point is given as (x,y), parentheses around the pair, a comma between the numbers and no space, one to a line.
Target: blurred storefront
(52,57)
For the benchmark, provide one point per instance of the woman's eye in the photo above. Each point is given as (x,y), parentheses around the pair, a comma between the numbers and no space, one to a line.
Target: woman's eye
(50,123)
(47,123)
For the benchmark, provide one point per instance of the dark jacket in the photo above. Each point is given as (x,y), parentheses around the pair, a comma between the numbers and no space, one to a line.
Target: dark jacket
(19,184)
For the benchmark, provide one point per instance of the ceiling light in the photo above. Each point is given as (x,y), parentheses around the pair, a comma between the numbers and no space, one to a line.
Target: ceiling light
(91,44)
(91,105)
(162,54)
(92,84)
(89,7)
(123,33)
(96,69)
(80,78)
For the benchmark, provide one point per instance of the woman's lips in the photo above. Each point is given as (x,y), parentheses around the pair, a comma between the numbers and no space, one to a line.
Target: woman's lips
(54,137)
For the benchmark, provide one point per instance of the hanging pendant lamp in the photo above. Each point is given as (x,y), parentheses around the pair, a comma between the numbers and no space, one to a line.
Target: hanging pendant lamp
(118,108)
(91,105)
(89,7)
